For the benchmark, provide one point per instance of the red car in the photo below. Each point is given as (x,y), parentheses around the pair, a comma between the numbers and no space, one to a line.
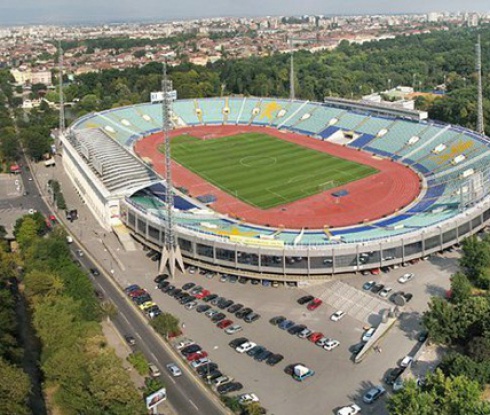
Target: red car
(196,356)
(202,294)
(224,324)
(314,337)
(137,293)
(375,271)
(314,304)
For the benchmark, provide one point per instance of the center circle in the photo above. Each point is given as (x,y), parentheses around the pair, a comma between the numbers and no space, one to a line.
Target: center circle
(258,161)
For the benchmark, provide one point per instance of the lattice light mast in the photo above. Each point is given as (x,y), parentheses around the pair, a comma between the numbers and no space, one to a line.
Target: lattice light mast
(292,93)
(62,99)
(480,127)
(171,254)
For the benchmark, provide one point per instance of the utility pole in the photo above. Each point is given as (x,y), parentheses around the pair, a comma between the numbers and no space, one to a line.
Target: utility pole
(480,126)
(171,254)
(62,100)
(292,94)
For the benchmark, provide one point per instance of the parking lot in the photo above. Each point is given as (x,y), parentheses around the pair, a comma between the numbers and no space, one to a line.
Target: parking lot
(337,381)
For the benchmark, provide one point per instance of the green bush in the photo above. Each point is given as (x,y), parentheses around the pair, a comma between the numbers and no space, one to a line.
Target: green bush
(139,362)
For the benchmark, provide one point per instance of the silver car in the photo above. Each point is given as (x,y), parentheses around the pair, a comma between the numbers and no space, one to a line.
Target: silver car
(174,369)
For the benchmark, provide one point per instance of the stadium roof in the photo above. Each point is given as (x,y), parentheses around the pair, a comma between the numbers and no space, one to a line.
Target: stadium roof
(119,171)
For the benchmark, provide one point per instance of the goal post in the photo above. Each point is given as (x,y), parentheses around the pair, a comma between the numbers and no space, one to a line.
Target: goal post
(322,187)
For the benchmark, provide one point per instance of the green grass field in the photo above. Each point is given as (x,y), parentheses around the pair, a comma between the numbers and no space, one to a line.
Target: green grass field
(262,170)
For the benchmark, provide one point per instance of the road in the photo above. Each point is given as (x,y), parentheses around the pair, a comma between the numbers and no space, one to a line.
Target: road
(184,393)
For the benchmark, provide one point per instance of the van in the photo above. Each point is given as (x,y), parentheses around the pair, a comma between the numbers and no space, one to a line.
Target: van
(154,371)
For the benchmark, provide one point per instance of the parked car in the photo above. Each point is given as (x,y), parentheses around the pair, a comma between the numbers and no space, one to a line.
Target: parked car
(233,329)
(368,334)
(393,375)
(200,362)
(385,291)
(248,398)
(160,277)
(229,387)
(373,394)
(274,359)
(303,334)
(251,317)
(223,324)
(423,335)
(243,312)
(154,371)
(376,288)
(184,343)
(331,344)
(296,329)
(277,320)
(206,369)
(352,409)
(202,308)
(191,305)
(314,304)
(188,286)
(305,299)
(338,315)
(238,342)
(218,317)
(264,355)
(234,308)
(193,348)
(406,361)
(196,356)
(301,372)
(314,337)
(255,350)
(406,278)
(209,298)
(245,347)
(286,324)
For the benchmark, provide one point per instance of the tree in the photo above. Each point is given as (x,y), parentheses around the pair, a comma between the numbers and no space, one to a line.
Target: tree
(460,288)
(478,348)
(166,324)
(438,320)
(14,389)
(439,395)
(27,232)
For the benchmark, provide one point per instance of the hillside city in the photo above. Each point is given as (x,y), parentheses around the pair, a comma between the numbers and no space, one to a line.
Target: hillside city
(31,50)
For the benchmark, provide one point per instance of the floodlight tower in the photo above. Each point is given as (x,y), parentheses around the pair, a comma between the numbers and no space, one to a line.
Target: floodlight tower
(62,100)
(480,126)
(292,94)
(171,255)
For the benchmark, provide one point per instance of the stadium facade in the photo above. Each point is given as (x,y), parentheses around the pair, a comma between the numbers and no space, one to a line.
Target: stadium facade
(122,188)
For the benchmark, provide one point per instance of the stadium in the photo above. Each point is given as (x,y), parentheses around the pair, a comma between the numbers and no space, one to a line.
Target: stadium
(283,189)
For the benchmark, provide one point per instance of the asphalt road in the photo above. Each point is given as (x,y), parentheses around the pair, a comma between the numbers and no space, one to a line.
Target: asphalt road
(184,393)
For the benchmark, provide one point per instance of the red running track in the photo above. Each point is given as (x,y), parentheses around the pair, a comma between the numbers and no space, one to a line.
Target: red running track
(392,188)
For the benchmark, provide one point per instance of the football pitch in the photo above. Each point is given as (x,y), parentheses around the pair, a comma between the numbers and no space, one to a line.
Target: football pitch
(262,170)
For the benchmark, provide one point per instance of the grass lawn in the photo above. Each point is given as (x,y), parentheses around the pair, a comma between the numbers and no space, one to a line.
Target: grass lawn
(262,170)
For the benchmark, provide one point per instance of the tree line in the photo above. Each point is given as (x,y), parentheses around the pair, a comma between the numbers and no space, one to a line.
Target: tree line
(461,322)
(81,373)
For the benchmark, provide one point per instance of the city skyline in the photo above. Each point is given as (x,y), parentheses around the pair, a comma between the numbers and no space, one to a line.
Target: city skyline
(90,11)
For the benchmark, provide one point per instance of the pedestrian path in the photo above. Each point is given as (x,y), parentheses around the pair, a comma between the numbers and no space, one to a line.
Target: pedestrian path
(356,303)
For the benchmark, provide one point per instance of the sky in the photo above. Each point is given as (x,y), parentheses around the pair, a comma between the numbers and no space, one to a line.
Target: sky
(14,12)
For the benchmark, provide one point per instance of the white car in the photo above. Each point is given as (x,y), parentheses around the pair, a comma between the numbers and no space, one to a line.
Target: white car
(191,305)
(368,334)
(407,361)
(398,385)
(245,347)
(184,343)
(349,410)
(200,362)
(174,369)
(331,344)
(385,291)
(233,329)
(338,315)
(247,398)
(303,334)
(405,278)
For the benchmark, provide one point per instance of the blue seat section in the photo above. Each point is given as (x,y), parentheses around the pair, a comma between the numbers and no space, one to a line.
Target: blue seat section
(159,191)
(362,141)
(320,116)
(235,104)
(212,110)
(247,115)
(431,196)
(397,136)
(329,131)
(187,111)
(373,125)
(350,121)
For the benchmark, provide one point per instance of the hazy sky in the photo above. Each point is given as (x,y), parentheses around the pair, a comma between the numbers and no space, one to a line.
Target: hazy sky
(72,11)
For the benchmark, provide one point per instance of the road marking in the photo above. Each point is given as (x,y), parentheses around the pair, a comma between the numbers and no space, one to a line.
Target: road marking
(154,357)
(173,381)
(193,404)
(126,320)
